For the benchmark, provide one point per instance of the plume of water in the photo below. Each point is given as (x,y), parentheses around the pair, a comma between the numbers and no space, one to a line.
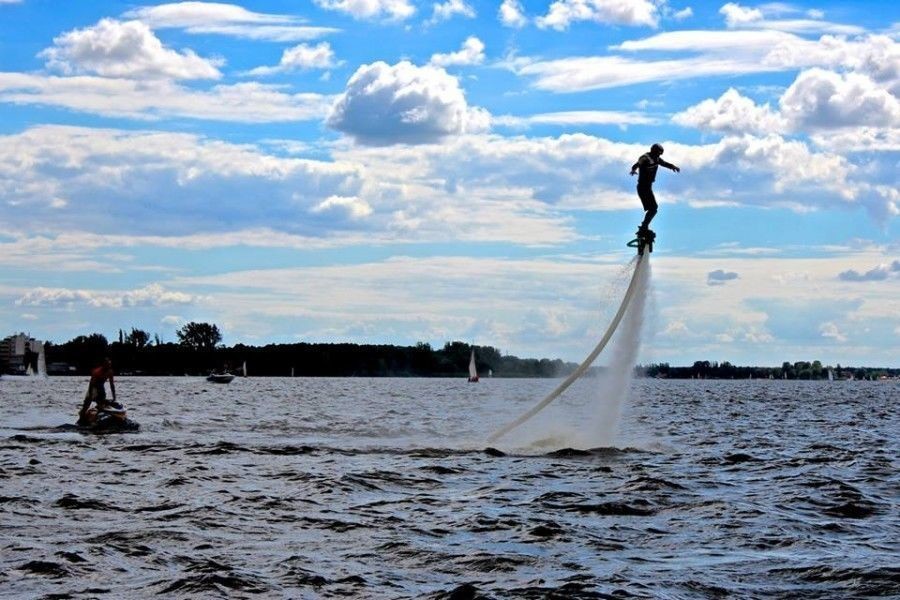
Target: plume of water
(610,394)
(613,387)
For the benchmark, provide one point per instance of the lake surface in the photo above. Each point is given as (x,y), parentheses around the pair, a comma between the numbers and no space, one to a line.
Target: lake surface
(383,488)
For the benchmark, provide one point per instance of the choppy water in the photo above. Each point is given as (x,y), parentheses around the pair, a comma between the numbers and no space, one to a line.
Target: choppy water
(382,488)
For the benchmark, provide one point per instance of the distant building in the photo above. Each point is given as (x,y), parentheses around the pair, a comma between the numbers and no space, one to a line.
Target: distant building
(21,354)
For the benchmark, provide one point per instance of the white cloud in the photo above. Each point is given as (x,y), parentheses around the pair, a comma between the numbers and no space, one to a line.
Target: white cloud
(830,330)
(125,49)
(863,112)
(388,104)
(731,113)
(737,16)
(683,14)
(300,57)
(471,53)
(227,19)
(354,207)
(511,14)
(858,139)
(711,53)
(447,10)
(563,13)
(577,117)
(151,295)
(245,102)
(820,99)
(173,320)
(394,10)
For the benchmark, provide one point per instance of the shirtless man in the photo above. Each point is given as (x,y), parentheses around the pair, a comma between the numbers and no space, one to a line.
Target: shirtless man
(96,391)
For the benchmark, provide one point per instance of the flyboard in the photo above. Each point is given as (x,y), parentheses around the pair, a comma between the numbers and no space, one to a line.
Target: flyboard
(644,241)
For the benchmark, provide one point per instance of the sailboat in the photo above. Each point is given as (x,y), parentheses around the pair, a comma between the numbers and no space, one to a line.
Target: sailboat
(473,372)
(830,375)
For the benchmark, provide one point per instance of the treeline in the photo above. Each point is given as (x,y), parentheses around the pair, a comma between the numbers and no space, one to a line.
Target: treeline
(198,352)
(704,369)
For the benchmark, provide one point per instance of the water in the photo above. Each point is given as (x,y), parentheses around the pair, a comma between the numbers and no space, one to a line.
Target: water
(382,488)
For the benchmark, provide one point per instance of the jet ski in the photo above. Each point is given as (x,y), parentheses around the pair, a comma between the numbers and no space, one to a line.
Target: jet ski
(111,417)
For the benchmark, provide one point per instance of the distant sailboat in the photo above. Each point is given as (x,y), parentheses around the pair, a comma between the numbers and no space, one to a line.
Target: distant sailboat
(244,369)
(830,375)
(473,372)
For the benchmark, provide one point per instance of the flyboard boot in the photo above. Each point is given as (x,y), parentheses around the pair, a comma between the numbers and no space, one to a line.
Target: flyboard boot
(645,238)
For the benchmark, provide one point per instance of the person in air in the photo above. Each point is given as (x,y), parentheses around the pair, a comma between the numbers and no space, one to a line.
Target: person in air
(646,167)
(96,391)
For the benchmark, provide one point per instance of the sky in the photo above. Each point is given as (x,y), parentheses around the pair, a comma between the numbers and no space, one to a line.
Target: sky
(396,171)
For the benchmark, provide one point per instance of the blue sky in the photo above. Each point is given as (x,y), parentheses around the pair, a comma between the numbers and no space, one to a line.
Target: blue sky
(391,171)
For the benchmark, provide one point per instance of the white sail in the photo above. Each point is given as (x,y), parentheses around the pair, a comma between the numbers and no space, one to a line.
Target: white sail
(473,372)
(42,364)
(830,375)
(244,369)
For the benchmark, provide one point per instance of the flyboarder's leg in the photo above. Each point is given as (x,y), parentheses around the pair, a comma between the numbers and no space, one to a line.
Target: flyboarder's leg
(648,200)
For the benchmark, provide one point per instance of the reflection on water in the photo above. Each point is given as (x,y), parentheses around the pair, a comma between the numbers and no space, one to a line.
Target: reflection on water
(383,488)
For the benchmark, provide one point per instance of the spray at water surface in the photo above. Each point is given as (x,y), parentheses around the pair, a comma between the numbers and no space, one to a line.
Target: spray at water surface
(618,376)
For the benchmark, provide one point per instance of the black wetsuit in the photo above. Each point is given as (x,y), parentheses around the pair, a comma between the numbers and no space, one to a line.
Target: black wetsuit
(647,166)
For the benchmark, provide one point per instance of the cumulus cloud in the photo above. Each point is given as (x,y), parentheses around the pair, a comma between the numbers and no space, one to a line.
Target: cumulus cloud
(447,10)
(820,99)
(151,295)
(684,13)
(719,277)
(393,10)
(849,112)
(831,331)
(125,49)
(227,19)
(301,57)
(471,53)
(563,13)
(152,99)
(512,14)
(354,207)
(388,104)
(879,273)
(731,113)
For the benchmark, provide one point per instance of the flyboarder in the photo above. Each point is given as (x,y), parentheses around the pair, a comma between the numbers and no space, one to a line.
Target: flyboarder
(646,167)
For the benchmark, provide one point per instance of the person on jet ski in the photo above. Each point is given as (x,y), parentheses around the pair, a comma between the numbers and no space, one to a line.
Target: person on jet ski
(96,391)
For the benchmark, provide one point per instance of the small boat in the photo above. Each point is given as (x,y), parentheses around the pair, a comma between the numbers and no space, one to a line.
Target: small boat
(220,377)
(473,372)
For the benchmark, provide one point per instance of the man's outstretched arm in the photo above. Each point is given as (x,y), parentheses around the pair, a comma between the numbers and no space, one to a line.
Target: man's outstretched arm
(669,165)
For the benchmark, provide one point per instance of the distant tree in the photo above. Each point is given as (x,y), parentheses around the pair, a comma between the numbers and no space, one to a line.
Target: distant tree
(199,336)
(137,338)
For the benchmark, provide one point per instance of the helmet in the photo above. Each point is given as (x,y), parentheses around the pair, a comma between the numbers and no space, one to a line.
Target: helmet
(656,149)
